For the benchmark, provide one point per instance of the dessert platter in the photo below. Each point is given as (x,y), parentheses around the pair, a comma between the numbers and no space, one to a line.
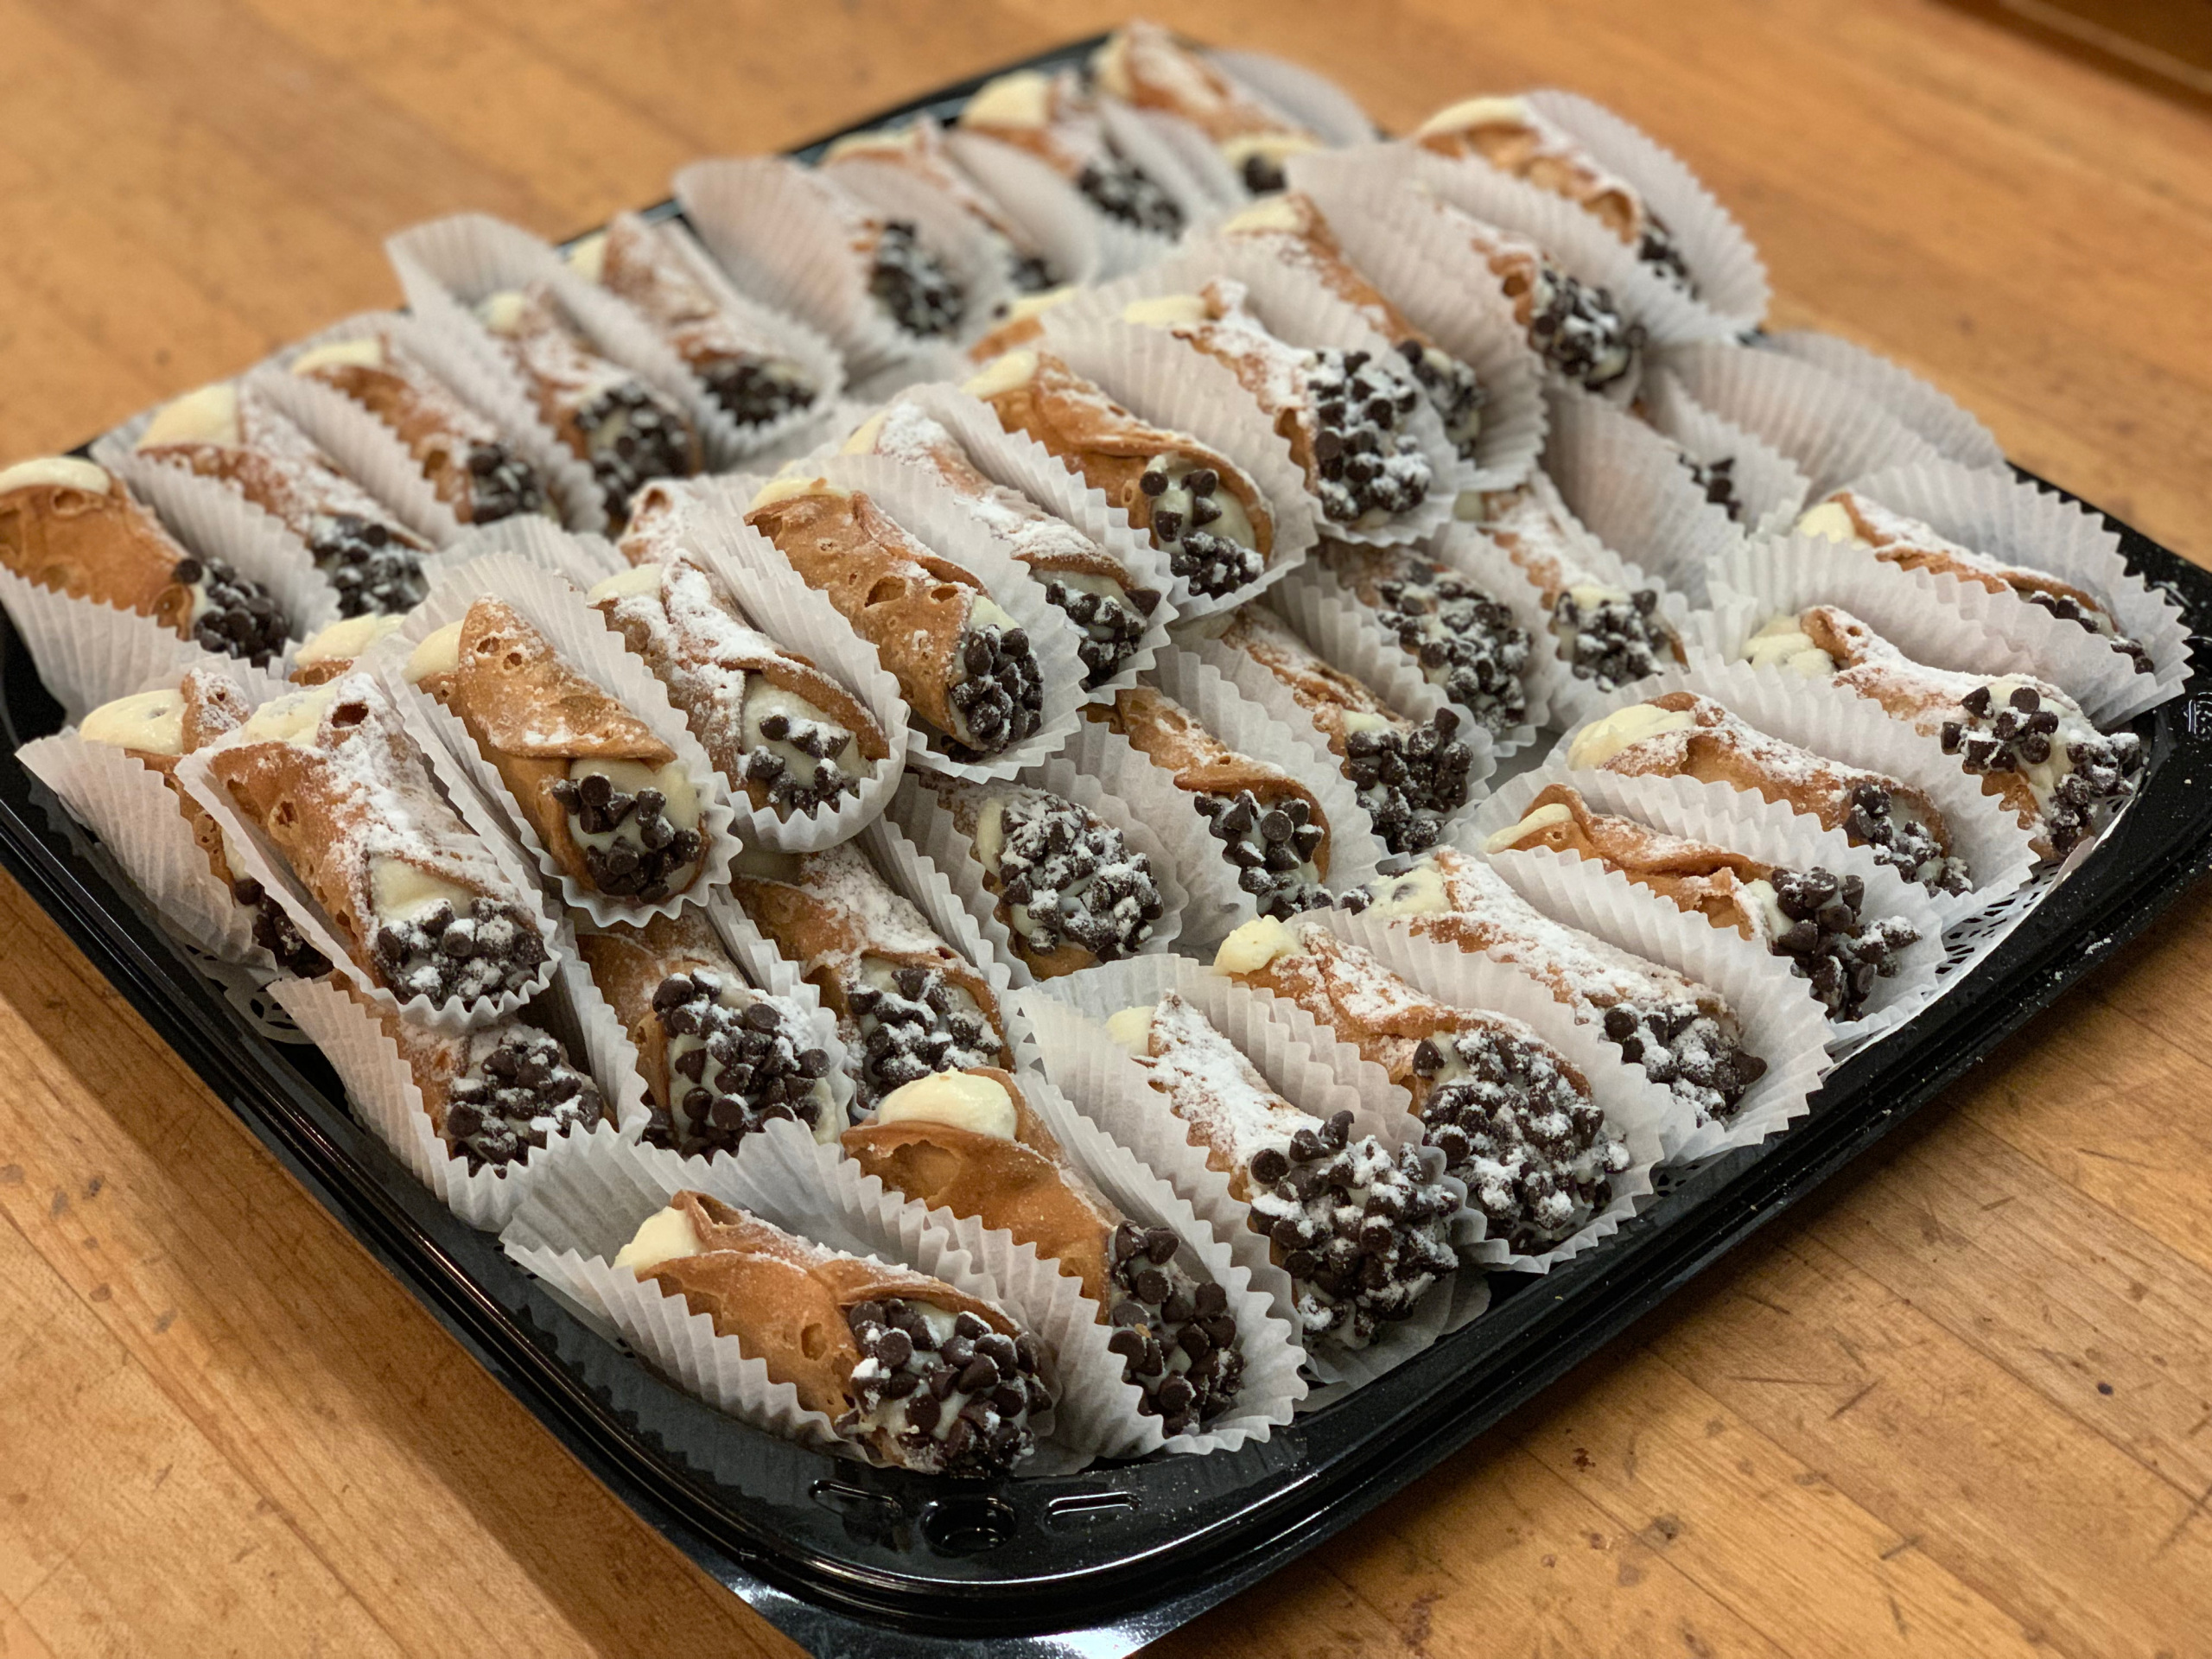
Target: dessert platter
(1020,855)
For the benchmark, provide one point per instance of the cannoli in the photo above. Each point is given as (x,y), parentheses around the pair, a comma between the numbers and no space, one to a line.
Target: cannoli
(1576,327)
(1051,117)
(1079,576)
(2030,743)
(911,1372)
(494,1093)
(719,1059)
(1513,1117)
(1143,65)
(907,1003)
(647,265)
(1517,139)
(328,775)
(471,468)
(908,283)
(1466,642)
(156,728)
(1355,1267)
(1292,228)
(65,523)
(626,431)
(1813,918)
(1682,734)
(1200,508)
(232,433)
(1683,1035)
(962,662)
(610,802)
(1607,635)
(1271,827)
(970,1142)
(918,149)
(1848,516)
(327,654)
(1072,893)
(1411,775)
(1341,413)
(773,724)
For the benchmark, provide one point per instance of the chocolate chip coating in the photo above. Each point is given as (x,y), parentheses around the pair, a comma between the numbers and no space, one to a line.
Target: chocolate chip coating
(736,1064)
(1831,942)
(1122,190)
(234,616)
(755,392)
(1578,330)
(912,285)
(1177,1342)
(632,436)
(1614,641)
(500,484)
(1271,848)
(496,948)
(515,1097)
(956,1405)
(373,569)
(1000,697)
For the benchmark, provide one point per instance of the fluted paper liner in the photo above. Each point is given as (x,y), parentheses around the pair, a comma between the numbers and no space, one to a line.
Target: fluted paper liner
(385,1097)
(1742,821)
(579,638)
(582,559)
(89,653)
(1768,482)
(1303,1064)
(767,222)
(1032,194)
(1194,152)
(1141,138)
(929,824)
(2021,524)
(1828,426)
(1955,433)
(1627,485)
(1052,227)
(1308,97)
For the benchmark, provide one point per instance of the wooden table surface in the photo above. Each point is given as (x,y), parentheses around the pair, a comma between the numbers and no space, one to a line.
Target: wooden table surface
(1961,1404)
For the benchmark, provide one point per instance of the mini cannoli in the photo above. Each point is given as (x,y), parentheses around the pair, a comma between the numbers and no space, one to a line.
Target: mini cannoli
(1682,734)
(1683,1035)
(1354,1268)
(156,728)
(918,149)
(1145,66)
(643,264)
(333,650)
(907,1003)
(1513,1118)
(1053,118)
(970,1142)
(610,802)
(719,1059)
(1519,140)
(1607,635)
(494,1093)
(1270,826)
(329,776)
(773,724)
(1080,577)
(911,1372)
(1850,517)
(962,662)
(1466,643)
(1200,508)
(232,433)
(608,418)
(1341,413)
(1578,328)
(471,468)
(2030,743)
(1071,891)
(67,525)
(1292,228)
(1813,918)
(1411,775)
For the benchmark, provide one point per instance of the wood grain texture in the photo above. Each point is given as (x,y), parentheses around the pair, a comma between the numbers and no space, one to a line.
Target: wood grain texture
(1962,1405)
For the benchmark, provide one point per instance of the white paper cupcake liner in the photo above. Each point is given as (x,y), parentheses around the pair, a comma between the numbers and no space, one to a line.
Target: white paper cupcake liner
(1032,194)
(1197,188)
(2016,521)
(1627,485)
(1021,463)
(1821,716)
(1163,380)
(1955,433)
(929,824)
(1308,97)
(1768,483)
(1194,152)
(583,560)
(386,1098)
(1305,1065)
(1828,426)
(89,653)
(581,640)
(774,226)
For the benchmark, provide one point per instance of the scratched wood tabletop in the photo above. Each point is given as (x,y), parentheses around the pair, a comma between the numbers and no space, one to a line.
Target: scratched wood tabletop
(1960,1404)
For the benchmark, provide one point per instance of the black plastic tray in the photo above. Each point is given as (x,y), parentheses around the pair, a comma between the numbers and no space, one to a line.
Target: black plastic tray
(852,1560)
